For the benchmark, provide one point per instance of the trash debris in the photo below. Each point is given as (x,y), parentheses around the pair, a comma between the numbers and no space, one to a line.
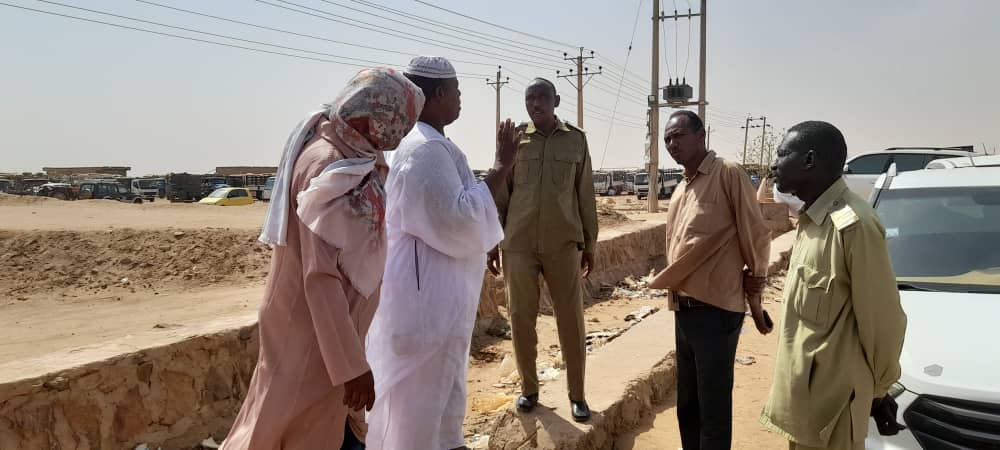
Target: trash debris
(508,364)
(478,442)
(548,374)
(209,443)
(641,313)
(746,360)
(124,281)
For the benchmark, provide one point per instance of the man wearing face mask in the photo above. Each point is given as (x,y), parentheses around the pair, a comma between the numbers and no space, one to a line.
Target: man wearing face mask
(842,335)
(717,255)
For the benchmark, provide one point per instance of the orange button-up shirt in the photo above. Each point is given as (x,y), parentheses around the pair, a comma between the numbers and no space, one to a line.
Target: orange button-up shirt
(714,230)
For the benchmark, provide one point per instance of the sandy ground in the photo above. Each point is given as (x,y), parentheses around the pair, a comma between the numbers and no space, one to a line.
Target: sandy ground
(753,382)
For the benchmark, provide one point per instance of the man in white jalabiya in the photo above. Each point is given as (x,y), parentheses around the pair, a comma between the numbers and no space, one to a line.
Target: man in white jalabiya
(440,224)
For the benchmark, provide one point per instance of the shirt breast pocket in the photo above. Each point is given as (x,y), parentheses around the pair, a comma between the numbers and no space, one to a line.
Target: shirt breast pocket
(564,167)
(811,291)
(526,169)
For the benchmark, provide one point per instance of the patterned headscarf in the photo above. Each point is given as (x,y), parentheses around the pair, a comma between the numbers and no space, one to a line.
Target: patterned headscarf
(373,113)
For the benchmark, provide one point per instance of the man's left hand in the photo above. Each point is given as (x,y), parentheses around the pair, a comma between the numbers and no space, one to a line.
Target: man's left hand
(753,286)
(884,412)
(587,264)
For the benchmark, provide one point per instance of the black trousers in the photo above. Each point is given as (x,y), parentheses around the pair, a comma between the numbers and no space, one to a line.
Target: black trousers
(351,441)
(706,348)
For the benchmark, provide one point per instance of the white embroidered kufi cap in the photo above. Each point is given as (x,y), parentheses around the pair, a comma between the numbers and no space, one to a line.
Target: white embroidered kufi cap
(430,67)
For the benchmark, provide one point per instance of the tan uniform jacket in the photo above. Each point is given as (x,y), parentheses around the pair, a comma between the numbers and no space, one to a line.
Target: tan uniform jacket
(843,328)
(549,201)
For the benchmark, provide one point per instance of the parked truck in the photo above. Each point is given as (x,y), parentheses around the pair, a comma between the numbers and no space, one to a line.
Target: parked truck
(149,188)
(187,187)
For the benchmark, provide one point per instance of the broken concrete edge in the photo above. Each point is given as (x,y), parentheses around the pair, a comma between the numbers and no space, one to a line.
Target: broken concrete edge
(172,396)
(637,401)
(627,378)
(59,380)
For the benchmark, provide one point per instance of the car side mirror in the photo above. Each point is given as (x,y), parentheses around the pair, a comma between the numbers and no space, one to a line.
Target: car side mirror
(847,169)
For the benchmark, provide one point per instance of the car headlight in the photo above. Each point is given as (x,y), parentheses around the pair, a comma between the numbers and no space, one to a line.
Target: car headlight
(896,390)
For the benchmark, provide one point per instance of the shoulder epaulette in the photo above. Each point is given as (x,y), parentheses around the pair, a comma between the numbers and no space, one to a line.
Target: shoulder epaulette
(844,217)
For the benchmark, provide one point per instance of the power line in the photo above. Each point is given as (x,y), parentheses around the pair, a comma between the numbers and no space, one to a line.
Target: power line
(410,37)
(611,63)
(234,38)
(618,97)
(293,33)
(494,25)
(453,27)
(529,55)
(188,38)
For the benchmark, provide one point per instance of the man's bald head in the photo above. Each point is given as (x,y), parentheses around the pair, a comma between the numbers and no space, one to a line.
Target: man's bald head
(825,140)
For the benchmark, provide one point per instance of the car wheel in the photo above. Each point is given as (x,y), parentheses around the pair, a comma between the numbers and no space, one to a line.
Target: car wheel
(137,201)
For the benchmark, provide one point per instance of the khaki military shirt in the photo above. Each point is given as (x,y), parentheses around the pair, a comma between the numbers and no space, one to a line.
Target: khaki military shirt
(843,327)
(549,201)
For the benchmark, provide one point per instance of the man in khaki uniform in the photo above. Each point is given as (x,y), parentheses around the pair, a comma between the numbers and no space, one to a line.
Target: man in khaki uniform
(843,327)
(549,215)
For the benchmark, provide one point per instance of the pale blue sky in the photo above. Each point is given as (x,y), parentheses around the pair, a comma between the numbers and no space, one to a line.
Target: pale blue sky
(888,73)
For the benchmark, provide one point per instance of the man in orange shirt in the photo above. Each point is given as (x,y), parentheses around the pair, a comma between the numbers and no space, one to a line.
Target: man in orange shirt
(717,255)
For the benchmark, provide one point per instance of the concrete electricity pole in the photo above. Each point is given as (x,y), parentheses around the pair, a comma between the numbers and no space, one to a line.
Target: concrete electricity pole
(702,61)
(746,135)
(653,169)
(763,135)
(581,71)
(498,84)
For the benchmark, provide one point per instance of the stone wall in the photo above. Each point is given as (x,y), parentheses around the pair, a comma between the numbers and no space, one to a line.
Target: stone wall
(171,396)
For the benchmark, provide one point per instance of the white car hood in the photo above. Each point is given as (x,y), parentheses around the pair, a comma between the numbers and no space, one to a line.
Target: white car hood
(952,345)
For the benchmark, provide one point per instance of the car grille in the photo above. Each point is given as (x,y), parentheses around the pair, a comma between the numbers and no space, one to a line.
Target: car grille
(947,423)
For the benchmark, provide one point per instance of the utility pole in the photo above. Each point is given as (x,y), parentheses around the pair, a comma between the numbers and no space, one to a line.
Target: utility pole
(746,134)
(763,134)
(654,116)
(498,85)
(702,61)
(708,137)
(581,71)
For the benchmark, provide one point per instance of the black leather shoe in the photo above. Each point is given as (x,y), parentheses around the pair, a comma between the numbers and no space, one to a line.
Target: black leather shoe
(526,403)
(581,412)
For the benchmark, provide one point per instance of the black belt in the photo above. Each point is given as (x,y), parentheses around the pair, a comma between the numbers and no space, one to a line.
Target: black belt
(689,302)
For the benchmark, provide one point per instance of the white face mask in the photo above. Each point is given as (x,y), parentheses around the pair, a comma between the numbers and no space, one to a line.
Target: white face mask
(791,200)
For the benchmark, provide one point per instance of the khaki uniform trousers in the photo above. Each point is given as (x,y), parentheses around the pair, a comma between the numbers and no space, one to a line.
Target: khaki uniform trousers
(561,271)
(841,439)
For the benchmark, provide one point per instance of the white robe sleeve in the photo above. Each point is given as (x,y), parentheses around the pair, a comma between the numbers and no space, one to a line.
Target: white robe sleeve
(451,217)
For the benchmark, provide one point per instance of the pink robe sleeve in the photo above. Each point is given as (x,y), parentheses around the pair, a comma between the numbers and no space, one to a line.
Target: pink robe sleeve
(329,297)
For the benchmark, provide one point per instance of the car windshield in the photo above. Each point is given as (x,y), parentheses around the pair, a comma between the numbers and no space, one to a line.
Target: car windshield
(944,238)
(269,184)
(641,178)
(122,189)
(149,184)
(218,193)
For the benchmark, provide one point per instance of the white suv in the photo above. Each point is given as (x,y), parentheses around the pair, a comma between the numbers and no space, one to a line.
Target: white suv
(943,232)
(862,170)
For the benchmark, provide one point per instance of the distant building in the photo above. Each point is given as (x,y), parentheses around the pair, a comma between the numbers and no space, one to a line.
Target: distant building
(119,171)
(243,170)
